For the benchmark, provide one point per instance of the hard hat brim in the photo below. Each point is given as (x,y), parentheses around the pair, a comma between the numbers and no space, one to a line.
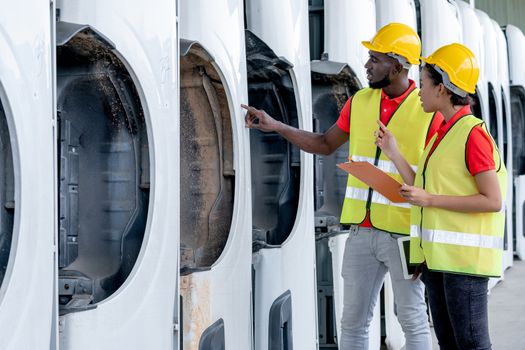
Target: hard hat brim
(371,47)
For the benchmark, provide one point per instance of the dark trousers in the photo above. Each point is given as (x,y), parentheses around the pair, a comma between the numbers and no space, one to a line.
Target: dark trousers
(458,304)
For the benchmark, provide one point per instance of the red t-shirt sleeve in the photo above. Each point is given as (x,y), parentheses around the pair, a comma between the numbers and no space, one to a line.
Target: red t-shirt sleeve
(343,122)
(437,120)
(479,151)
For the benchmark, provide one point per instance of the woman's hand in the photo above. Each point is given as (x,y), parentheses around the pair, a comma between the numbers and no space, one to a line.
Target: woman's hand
(386,141)
(416,196)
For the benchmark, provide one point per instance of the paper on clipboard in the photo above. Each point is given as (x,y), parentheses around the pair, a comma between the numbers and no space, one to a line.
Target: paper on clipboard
(375,178)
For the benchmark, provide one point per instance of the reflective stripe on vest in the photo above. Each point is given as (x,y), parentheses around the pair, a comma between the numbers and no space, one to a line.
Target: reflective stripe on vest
(362,195)
(457,238)
(468,243)
(365,111)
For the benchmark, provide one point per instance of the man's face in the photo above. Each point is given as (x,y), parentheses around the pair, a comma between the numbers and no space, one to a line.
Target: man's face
(379,68)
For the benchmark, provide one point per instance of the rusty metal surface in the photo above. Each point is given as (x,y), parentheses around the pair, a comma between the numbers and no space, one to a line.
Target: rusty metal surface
(196,309)
(207,177)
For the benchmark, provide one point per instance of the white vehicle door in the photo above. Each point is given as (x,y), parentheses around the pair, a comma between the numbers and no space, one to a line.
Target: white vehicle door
(516,50)
(27,177)
(278,68)
(506,132)
(215,178)
(118,174)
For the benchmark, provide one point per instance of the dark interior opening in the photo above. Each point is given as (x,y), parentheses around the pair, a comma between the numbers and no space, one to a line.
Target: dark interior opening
(326,320)
(517,105)
(316,28)
(103,171)
(276,164)
(503,153)
(505,130)
(493,114)
(332,84)
(206,160)
(7,194)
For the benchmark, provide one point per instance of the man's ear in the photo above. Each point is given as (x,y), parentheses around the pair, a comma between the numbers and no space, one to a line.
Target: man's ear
(397,69)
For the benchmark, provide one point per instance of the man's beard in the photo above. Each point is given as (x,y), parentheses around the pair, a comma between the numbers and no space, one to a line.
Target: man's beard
(381,83)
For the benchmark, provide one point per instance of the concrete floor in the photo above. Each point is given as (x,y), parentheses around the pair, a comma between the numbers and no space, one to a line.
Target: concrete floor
(507,310)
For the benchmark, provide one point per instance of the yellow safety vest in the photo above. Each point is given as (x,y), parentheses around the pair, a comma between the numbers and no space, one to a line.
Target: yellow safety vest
(410,125)
(450,241)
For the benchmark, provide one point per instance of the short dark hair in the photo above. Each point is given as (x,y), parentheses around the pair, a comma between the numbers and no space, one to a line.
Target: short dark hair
(437,79)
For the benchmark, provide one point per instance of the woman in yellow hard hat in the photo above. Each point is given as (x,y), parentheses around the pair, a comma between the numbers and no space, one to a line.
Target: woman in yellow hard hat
(457,191)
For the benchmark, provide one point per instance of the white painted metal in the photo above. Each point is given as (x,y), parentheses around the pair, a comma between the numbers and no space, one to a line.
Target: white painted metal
(140,314)
(224,290)
(474,39)
(400,11)
(283,26)
(506,132)
(472,35)
(26,294)
(440,24)
(519,183)
(516,52)
(347,24)
(490,73)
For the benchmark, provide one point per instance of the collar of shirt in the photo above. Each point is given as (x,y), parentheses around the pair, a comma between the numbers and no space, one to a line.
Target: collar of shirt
(445,126)
(400,98)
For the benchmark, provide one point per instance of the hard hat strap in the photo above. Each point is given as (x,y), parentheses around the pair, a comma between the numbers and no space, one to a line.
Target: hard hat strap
(403,61)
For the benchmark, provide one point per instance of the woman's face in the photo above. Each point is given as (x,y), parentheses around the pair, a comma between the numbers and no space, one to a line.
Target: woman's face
(429,93)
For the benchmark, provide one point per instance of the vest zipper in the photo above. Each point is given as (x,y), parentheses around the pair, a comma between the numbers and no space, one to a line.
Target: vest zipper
(421,213)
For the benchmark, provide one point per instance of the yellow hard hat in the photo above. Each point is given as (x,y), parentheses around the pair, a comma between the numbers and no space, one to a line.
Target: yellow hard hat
(398,39)
(459,64)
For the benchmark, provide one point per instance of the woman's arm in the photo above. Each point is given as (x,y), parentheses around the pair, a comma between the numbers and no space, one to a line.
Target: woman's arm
(487,200)
(386,141)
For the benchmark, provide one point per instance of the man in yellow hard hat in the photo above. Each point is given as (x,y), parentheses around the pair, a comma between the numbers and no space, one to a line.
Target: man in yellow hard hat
(374,222)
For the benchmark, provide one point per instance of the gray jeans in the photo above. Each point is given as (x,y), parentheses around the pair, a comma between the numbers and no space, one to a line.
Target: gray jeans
(369,255)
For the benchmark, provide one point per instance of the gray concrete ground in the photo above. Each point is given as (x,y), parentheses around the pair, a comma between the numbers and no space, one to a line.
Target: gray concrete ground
(507,310)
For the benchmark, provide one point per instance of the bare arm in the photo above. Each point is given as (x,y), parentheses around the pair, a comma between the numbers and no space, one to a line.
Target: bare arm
(387,143)
(310,142)
(487,200)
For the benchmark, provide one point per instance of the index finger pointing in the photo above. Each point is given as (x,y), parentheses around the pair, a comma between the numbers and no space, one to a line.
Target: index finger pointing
(248,108)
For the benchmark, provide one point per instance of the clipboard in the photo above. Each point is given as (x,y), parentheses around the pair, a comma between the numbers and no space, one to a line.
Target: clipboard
(375,178)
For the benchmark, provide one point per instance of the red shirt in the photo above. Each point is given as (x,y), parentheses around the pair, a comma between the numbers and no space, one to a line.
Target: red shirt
(479,144)
(388,107)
